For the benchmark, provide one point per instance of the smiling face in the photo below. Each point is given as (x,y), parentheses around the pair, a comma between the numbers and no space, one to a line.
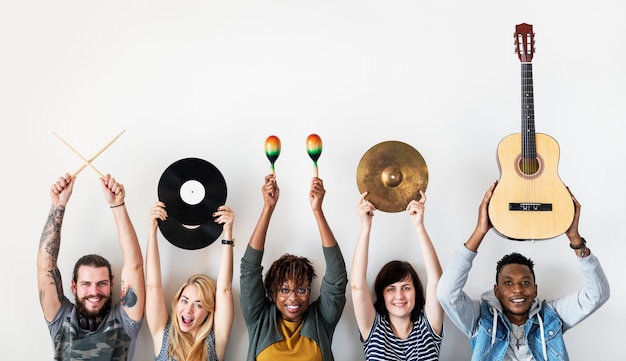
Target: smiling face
(190,311)
(398,277)
(293,300)
(516,290)
(400,298)
(92,290)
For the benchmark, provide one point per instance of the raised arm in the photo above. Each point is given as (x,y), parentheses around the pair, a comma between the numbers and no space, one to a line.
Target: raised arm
(433,309)
(362,302)
(156,307)
(332,298)
(48,275)
(316,197)
(575,240)
(484,224)
(577,306)
(224,307)
(132,281)
(271,192)
(462,310)
(252,298)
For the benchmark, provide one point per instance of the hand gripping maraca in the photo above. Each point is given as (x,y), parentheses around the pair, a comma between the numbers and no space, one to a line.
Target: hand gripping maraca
(272,150)
(314,148)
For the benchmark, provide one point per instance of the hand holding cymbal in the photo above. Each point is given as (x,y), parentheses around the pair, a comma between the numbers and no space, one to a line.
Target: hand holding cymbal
(272,150)
(314,149)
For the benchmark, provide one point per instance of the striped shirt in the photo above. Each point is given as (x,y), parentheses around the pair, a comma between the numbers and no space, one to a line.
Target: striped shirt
(423,343)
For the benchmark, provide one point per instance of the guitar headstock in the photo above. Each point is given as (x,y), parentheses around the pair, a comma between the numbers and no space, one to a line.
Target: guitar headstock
(524,42)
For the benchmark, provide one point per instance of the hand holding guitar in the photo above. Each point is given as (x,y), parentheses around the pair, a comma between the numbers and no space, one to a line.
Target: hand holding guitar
(484,223)
(577,243)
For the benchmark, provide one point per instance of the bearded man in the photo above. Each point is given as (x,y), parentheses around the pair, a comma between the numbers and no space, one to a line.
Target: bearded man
(92,328)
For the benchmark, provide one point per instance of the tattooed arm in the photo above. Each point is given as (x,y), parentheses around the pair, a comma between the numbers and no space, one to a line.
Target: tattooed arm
(48,275)
(133,291)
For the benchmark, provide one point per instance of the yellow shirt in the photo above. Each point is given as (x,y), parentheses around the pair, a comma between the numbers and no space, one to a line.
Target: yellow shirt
(293,346)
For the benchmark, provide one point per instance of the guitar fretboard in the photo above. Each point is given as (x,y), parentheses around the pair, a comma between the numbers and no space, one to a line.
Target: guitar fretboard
(529,148)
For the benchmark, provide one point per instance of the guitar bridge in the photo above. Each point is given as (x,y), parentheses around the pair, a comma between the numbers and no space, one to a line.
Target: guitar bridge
(532,207)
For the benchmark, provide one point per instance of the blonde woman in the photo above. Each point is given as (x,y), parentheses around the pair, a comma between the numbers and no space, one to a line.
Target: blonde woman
(201,317)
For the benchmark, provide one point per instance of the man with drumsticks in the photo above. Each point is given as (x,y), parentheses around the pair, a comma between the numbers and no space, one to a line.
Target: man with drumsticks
(92,328)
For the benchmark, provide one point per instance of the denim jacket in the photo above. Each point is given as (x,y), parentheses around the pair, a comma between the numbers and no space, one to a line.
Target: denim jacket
(543,330)
(489,329)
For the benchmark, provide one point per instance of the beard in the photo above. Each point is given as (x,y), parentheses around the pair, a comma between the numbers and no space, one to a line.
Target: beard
(82,309)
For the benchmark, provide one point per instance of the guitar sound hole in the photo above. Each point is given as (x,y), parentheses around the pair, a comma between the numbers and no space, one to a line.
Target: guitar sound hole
(528,166)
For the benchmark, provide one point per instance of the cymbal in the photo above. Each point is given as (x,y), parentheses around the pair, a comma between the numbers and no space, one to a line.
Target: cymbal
(392,173)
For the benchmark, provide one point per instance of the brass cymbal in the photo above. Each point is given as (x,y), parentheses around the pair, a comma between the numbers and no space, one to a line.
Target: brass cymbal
(392,173)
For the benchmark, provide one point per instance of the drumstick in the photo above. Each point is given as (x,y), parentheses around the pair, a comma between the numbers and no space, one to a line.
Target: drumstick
(78,154)
(97,154)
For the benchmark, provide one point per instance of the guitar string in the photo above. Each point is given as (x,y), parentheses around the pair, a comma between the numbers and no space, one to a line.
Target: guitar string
(527,96)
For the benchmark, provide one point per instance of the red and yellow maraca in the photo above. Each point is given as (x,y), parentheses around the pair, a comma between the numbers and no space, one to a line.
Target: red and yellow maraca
(272,150)
(314,149)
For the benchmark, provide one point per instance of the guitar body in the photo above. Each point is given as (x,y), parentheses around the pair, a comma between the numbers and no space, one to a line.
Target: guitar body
(530,206)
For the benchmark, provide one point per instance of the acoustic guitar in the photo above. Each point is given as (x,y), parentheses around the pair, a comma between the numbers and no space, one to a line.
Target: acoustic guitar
(530,201)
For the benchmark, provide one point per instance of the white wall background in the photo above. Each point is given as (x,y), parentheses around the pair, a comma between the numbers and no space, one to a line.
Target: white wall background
(212,79)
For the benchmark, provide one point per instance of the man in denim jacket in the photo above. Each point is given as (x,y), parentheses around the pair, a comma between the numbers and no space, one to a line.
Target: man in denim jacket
(510,322)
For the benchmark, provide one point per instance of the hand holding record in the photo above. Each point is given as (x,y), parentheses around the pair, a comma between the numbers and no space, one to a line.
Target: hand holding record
(191,237)
(157,213)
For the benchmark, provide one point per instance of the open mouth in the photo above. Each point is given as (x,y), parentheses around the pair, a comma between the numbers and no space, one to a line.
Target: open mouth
(186,321)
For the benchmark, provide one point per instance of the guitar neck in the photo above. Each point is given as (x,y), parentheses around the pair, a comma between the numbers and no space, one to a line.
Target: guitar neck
(529,147)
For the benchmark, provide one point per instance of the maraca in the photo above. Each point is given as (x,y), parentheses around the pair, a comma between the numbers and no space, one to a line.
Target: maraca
(314,148)
(272,150)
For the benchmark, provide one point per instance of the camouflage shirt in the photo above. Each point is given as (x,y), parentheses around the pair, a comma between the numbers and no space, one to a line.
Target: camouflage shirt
(113,340)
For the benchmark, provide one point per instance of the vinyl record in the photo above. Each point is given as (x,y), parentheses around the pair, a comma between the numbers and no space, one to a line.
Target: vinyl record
(190,237)
(192,189)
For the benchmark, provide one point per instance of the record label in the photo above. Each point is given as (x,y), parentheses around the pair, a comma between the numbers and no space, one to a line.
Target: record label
(192,192)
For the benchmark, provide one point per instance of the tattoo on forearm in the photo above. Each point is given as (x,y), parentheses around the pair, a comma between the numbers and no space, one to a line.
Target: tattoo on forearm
(51,242)
(51,235)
